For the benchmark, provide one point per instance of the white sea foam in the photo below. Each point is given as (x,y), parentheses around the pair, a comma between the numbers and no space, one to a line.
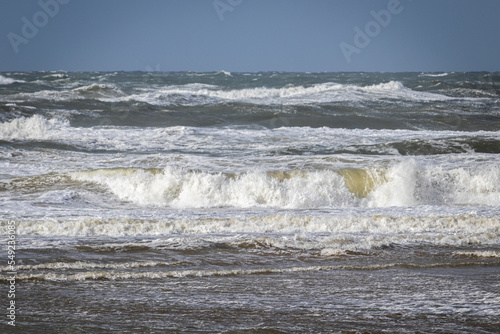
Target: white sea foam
(49,95)
(398,188)
(225,73)
(8,81)
(98,91)
(88,265)
(316,234)
(396,90)
(35,127)
(433,74)
(99,275)
(409,184)
(72,92)
(106,275)
(403,184)
(480,254)
(180,189)
(318,93)
(57,75)
(227,139)
(400,182)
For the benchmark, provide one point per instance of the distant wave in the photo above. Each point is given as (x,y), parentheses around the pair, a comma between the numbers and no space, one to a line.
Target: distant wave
(434,74)
(7,81)
(93,91)
(193,94)
(322,140)
(98,90)
(225,73)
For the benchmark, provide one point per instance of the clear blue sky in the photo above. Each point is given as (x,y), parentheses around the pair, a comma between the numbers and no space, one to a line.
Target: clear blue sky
(250,35)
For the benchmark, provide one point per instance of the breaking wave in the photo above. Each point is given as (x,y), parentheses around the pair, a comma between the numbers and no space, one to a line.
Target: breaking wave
(98,91)
(35,127)
(403,184)
(8,81)
(318,93)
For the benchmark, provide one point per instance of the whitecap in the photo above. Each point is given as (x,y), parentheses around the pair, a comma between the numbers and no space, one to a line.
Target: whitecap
(8,81)
(35,127)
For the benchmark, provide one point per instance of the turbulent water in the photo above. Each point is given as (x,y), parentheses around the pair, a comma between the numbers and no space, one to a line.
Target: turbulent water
(251,202)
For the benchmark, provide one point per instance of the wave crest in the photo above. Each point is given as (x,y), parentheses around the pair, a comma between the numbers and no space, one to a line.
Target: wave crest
(190,189)
(402,184)
(98,91)
(35,127)
(8,81)
(194,94)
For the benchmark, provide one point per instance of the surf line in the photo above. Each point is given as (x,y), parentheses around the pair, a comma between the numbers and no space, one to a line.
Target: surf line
(372,29)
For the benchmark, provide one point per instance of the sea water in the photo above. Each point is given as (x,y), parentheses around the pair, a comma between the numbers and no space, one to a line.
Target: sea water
(251,202)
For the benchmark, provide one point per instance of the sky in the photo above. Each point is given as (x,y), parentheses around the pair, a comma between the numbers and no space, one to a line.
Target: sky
(250,35)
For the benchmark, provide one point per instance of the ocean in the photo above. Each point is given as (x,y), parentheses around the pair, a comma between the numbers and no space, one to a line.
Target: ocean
(184,202)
